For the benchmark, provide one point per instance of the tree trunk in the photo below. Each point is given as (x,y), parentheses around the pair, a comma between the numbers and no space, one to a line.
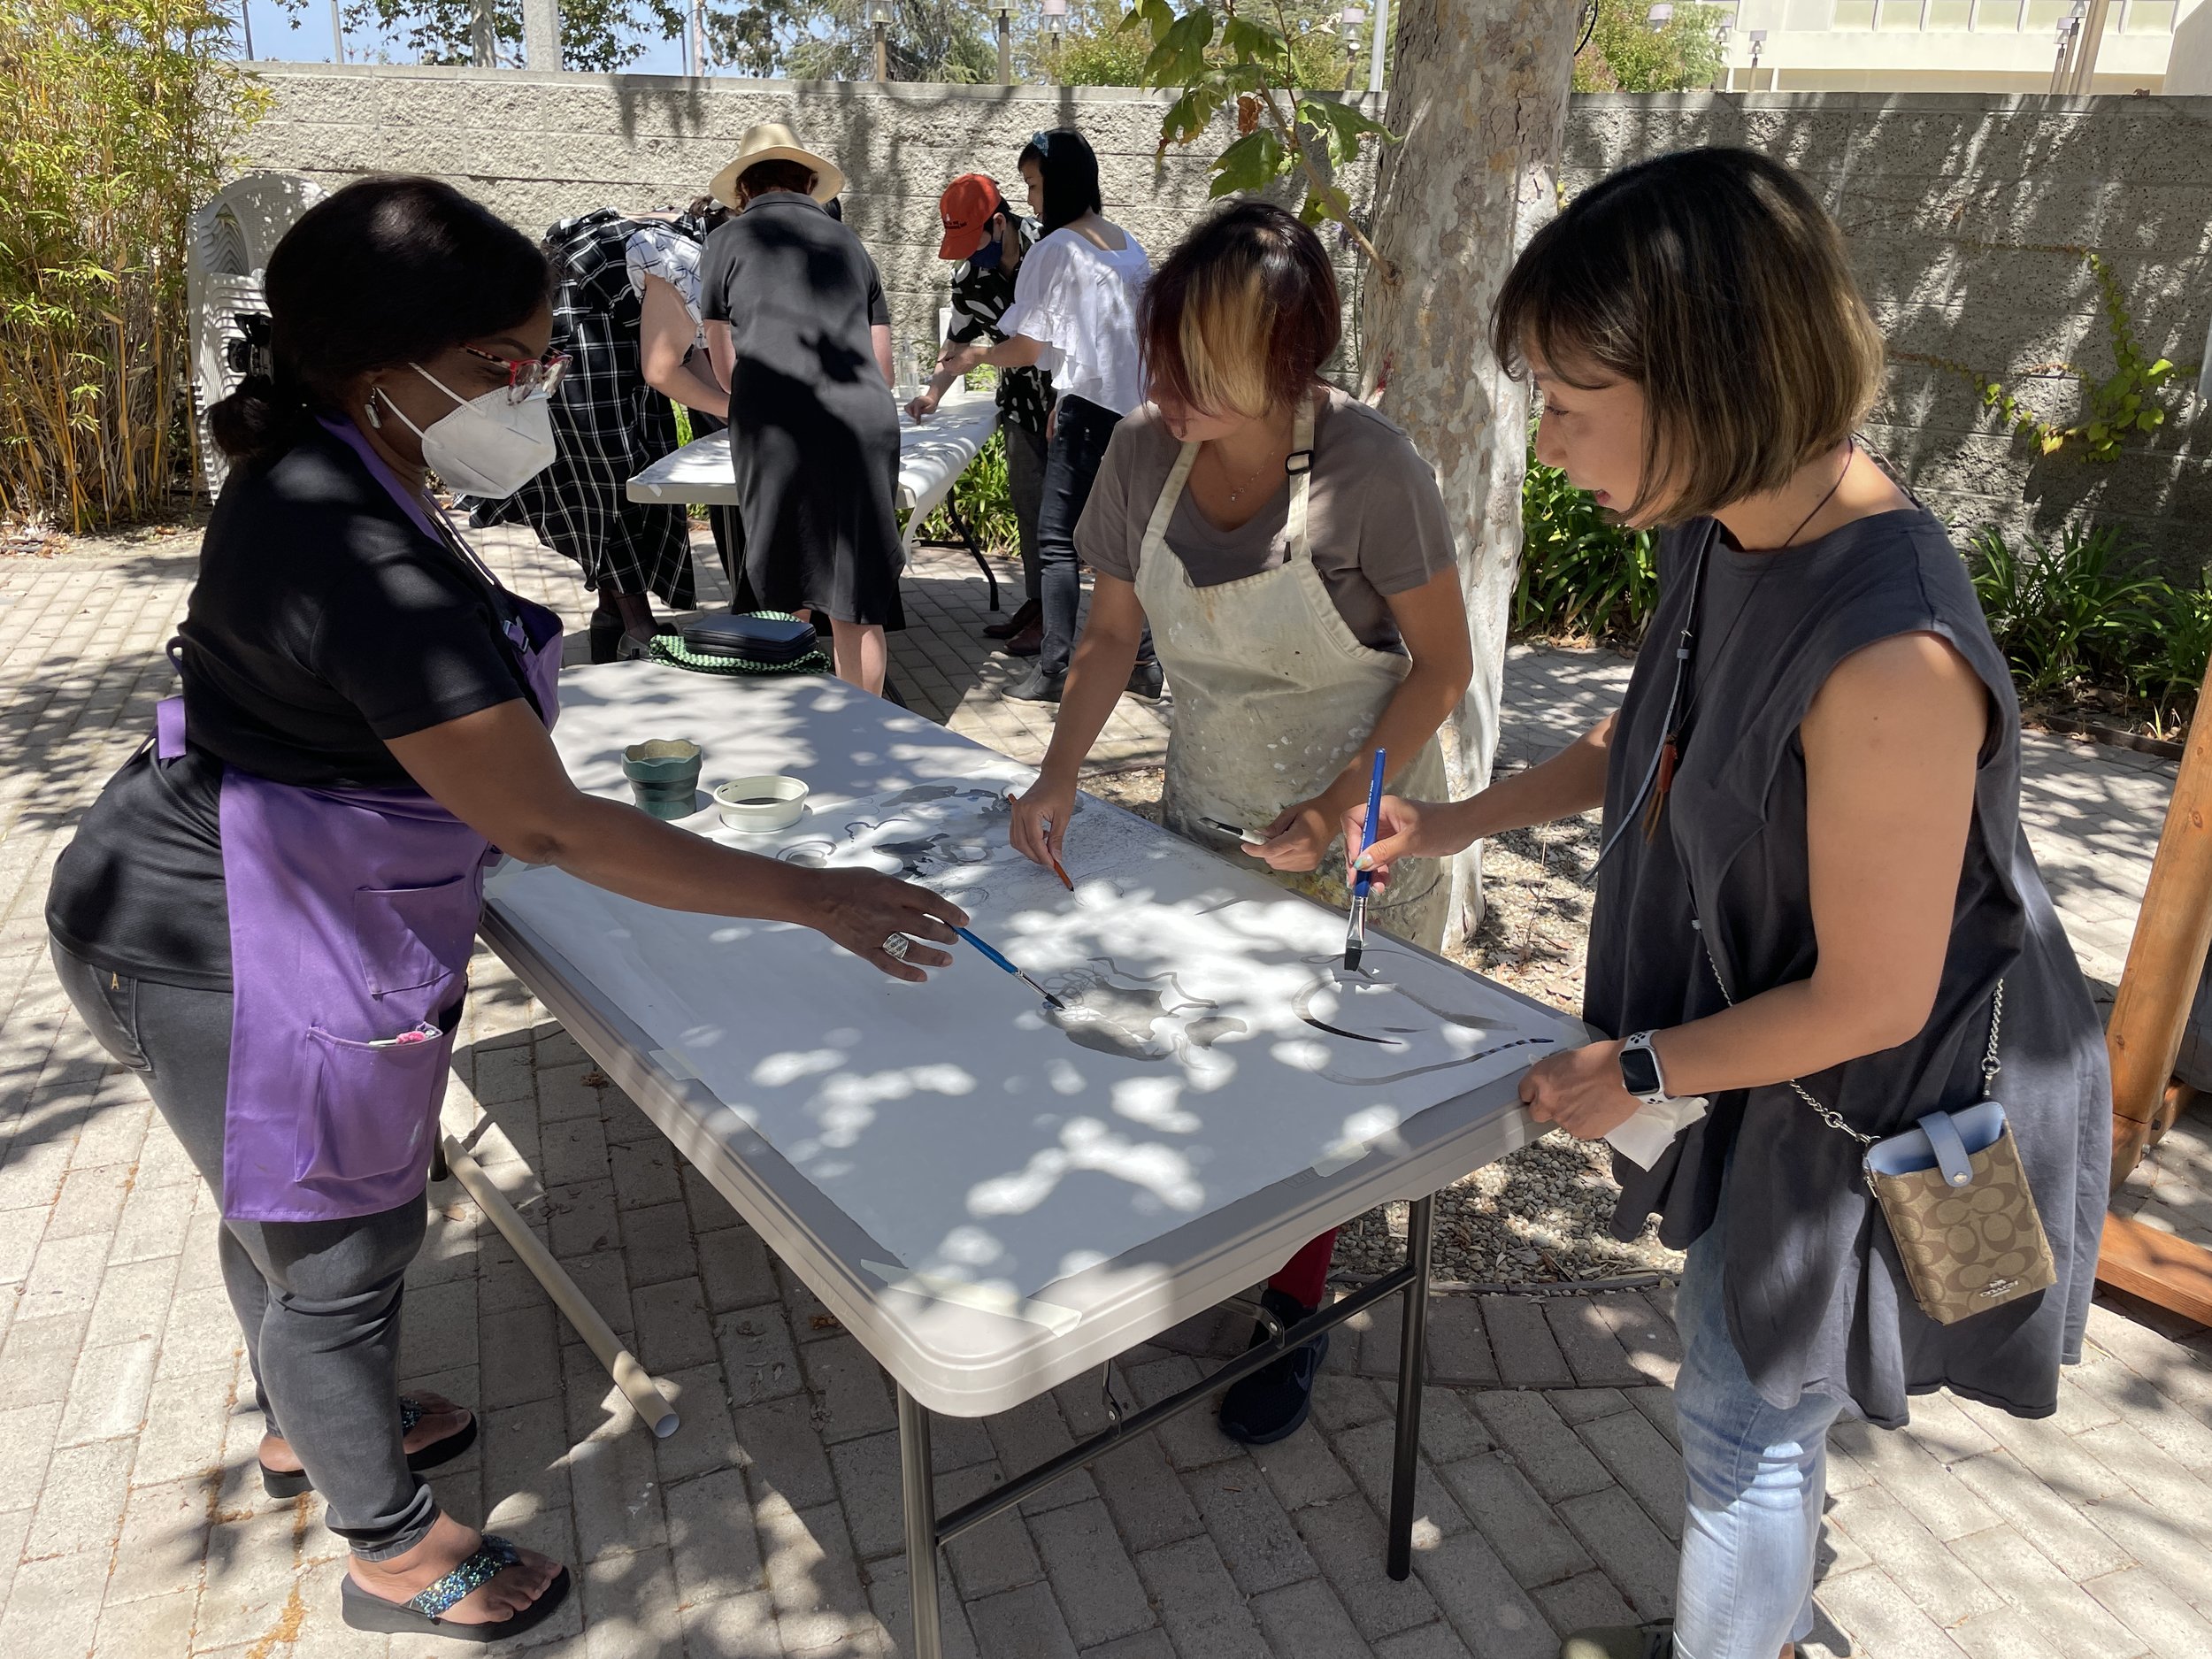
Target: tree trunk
(1480,99)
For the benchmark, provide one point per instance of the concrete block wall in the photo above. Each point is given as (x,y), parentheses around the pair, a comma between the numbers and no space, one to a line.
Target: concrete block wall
(1957,209)
(1964,215)
(539,147)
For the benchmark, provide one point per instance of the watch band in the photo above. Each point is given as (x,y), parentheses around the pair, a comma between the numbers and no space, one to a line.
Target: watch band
(1640,1072)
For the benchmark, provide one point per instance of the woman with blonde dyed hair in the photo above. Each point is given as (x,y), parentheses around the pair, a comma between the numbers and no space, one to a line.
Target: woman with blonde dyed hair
(1291,552)
(1815,908)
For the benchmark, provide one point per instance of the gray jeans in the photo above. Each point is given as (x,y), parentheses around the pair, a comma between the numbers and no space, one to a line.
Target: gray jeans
(1025,485)
(319,1300)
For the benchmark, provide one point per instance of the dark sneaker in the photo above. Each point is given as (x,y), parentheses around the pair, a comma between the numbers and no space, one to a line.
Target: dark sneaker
(1271,1404)
(1147,681)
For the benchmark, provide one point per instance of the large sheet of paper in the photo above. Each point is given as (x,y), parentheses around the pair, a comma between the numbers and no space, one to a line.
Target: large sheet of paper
(1211,1045)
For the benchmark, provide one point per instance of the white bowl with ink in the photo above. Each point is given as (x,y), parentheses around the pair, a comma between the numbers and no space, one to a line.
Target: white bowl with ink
(761,805)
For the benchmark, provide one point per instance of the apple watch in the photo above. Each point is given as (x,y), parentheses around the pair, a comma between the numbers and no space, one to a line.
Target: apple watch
(1641,1074)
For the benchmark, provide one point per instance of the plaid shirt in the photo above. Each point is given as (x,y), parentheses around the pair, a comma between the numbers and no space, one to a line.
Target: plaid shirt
(609,425)
(980,298)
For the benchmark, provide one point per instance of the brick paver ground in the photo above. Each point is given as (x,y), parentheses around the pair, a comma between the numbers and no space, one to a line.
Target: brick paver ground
(768,1525)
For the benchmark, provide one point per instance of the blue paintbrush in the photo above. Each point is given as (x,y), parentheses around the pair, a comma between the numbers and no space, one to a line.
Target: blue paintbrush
(1355,936)
(994,956)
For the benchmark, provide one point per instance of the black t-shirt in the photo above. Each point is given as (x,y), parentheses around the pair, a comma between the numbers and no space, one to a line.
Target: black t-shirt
(798,290)
(324,622)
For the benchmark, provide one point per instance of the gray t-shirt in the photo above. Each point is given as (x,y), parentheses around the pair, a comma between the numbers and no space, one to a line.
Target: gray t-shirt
(1374,518)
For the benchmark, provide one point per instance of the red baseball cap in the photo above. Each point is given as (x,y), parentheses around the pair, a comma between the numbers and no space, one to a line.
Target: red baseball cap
(966,208)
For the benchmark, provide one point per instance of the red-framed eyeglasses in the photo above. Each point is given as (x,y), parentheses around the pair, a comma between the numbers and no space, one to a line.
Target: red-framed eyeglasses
(526,375)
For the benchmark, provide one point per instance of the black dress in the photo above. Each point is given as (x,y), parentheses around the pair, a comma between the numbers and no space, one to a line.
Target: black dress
(1816,1296)
(814,432)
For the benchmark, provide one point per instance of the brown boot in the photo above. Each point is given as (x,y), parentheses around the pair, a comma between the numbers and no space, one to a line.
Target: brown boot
(1025,617)
(1028,642)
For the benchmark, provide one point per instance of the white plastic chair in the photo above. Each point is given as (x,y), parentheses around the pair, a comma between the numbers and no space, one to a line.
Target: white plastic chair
(232,237)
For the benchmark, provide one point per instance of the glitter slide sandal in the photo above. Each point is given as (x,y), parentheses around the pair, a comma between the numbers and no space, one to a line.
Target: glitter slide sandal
(420,1617)
(289,1483)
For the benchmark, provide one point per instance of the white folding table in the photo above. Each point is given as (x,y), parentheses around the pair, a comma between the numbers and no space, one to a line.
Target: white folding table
(933,454)
(790,1006)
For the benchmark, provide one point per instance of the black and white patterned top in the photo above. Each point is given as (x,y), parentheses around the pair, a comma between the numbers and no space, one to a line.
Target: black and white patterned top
(980,298)
(670,252)
(609,424)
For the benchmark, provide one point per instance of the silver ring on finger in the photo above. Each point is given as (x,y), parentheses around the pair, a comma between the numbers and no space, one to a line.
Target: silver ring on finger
(896,947)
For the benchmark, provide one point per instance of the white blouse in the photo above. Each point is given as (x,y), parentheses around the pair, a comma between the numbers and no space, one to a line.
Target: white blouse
(1079,303)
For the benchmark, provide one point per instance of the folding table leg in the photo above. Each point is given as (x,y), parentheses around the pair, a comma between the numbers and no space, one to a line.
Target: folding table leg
(1413,1370)
(975,552)
(918,1487)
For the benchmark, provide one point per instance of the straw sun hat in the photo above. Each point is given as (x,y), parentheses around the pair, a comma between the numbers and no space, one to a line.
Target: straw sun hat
(772,141)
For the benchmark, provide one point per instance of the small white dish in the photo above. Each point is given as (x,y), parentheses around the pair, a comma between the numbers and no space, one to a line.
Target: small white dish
(761,805)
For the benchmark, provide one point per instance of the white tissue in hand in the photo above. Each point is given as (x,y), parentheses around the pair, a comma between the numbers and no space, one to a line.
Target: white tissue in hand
(1653,1129)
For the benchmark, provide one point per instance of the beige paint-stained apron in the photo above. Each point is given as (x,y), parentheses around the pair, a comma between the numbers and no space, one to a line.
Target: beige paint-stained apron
(1274,695)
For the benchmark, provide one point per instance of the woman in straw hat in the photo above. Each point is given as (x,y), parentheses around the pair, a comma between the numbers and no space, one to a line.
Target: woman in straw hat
(801,336)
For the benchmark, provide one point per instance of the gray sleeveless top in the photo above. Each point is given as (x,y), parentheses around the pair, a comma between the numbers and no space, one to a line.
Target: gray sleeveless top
(1815,1298)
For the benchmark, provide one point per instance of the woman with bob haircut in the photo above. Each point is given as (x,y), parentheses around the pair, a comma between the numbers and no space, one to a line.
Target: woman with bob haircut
(1291,552)
(1074,316)
(268,913)
(1815,904)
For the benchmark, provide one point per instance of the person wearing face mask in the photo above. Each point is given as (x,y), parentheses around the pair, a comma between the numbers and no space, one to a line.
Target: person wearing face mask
(1074,315)
(269,911)
(990,240)
(1290,550)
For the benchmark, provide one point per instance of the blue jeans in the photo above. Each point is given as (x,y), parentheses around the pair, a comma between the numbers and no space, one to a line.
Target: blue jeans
(1756,1474)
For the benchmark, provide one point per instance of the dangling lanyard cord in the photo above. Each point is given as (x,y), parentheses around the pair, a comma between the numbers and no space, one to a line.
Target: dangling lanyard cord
(1682,650)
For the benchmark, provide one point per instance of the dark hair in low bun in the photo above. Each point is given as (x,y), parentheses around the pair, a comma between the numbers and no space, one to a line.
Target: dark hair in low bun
(257,421)
(388,271)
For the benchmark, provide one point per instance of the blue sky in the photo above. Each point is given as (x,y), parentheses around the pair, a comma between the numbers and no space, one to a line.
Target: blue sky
(305,38)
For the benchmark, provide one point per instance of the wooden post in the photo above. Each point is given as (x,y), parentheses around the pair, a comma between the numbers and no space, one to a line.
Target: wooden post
(2165,959)
(2165,956)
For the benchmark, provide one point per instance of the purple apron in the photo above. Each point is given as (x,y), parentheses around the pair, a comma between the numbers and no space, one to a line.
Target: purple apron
(353,913)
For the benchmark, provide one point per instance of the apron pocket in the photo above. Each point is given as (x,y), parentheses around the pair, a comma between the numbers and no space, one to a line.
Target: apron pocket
(411,937)
(376,1106)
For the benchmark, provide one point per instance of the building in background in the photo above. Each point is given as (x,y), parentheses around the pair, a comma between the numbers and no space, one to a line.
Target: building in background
(1945,45)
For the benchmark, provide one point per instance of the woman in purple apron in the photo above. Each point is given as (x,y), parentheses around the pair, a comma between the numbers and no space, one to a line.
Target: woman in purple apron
(269,912)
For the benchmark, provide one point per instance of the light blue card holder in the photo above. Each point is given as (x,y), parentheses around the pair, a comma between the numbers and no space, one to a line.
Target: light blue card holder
(1941,1139)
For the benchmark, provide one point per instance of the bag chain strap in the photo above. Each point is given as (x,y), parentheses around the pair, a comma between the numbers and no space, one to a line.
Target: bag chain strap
(1829,1115)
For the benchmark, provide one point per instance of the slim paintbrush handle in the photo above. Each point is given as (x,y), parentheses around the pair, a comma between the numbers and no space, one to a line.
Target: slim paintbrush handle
(989,953)
(1367,830)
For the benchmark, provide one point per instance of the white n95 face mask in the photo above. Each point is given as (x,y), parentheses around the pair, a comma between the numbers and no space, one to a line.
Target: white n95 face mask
(489,446)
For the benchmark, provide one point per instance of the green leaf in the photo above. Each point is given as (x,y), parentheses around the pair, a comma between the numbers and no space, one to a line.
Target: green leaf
(1155,15)
(1188,116)
(1180,56)
(1253,163)
(2162,367)
(1249,40)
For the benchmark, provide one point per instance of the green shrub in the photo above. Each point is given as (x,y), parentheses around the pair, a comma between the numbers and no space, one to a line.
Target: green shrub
(121,119)
(1582,572)
(2169,664)
(985,502)
(2069,614)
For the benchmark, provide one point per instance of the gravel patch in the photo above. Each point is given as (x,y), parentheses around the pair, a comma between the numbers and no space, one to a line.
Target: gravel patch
(1543,1215)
